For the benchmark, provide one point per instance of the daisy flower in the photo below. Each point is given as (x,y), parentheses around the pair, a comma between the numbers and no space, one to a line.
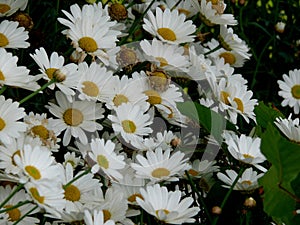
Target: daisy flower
(245,149)
(71,158)
(74,118)
(96,82)
(167,206)
(201,168)
(96,218)
(169,26)
(160,165)
(9,7)
(212,14)
(10,113)
(247,182)
(12,36)
(79,191)
(16,213)
(166,56)
(131,122)
(102,153)
(290,90)
(184,7)
(91,30)
(54,67)
(289,127)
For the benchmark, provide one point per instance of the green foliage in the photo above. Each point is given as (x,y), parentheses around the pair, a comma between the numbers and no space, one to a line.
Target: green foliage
(279,195)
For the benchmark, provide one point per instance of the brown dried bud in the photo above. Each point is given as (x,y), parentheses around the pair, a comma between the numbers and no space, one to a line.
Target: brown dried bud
(24,20)
(117,12)
(126,57)
(216,210)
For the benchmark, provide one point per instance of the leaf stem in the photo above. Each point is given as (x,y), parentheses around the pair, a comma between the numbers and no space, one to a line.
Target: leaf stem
(26,214)
(11,195)
(15,206)
(77,177)
(3,89)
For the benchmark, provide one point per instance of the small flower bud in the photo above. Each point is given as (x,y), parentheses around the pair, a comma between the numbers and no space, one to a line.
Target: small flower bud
(279,27)
(250,202)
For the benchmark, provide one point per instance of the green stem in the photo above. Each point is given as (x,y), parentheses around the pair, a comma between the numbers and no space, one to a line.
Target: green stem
(3,89)
(15,206)
(26,214)
(202,203)
(77,177)
(37,91)
(135,23)
(20,186)
(228,193)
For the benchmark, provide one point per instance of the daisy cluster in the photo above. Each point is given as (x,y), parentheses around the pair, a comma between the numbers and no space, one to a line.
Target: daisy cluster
(111,144)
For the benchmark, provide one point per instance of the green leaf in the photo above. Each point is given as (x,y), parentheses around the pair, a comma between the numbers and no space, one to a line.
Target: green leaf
(211,121)
(266,114)
(279,197)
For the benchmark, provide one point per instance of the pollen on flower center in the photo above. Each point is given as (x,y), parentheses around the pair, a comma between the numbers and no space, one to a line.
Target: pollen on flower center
(13,214)
(184,11)
(3,40)
(162,210)
(2,77)
(33,172)
(248,182)
(4,8)
(40,131)
(224,97)
(193,172)
(132,198)
(106,215)
(128,126)
(163,62)
(160,172)
(36,195)
(88,44)
(73,117)
(167,34)
(72,193)
(296,91)
(102,161)
(240,105)
(153,97)
(247,156)
(13,156)
(90,89)
(119,99)
(228,57)
(50,72)
(2,124)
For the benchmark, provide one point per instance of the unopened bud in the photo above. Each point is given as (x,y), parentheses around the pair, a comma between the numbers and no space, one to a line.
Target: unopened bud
(280,27)
(117,12)
(250,202)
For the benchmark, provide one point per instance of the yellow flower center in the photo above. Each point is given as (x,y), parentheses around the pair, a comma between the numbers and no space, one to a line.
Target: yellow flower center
(224,97)
(240,105)
(193,172)
(13,214)
(132,198)
(2,77)
(248,182)
(50,72)
(214,2)
(164,210)
(90,89)
(72,193)
(3,40)
(128,126)
(4,8)
(184,11)
(247,156)
(102,161)
(40,131)
(73,117)
(119,99)
(106,214)
(33,172)
(88,44)
(36,195)
(160,172)
(167,34)
(2,124)
(296,91)
(13,156)
(153,97)
(163,62)
(228,57)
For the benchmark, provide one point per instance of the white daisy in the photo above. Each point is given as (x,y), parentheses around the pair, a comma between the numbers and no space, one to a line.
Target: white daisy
(212,14)
(16,213)
(9,7)
(289,127)
(75,118)
(12,36)
(96,218)
(167,206)
(71,158)
(247,182)
(245,149)
(169,26)
(185,7)
(10,113)
(131,122)
(290,90)
(203,168)
(160,165)
(164,55)
(91,30)
(13,75)
(96,82)
(105,159)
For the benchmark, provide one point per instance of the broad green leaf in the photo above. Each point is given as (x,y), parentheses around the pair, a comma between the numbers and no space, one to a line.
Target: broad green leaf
(284,157)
